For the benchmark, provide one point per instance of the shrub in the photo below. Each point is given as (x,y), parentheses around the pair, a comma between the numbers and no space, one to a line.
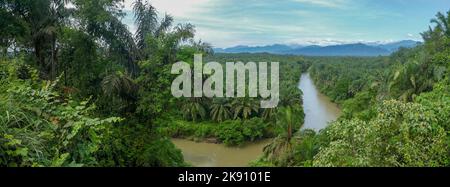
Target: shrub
(254,129)
(403,134)
(231,133)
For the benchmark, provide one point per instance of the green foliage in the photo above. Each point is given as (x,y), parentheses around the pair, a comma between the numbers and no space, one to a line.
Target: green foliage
(359,106)
(254,129)
(135,145)
(245,108)
(306,147)
(231,133)
(396,109)
(438,101)
(39,127)
(193,109)
(280,150)
(220,110)
(251,122)
(342,78)
(401,135)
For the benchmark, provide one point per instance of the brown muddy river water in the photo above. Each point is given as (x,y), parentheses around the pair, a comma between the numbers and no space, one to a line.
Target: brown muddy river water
(219,155)
(319,111)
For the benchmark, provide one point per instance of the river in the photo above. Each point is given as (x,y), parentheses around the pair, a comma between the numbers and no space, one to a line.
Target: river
(219,155)
(319,110)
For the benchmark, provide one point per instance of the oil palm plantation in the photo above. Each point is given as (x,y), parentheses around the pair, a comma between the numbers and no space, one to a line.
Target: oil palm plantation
(245,108)
(220,110)
(193,109)
(269,114)
(291,96)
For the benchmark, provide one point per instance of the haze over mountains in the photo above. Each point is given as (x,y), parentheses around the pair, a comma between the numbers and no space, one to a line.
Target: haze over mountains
(355,49)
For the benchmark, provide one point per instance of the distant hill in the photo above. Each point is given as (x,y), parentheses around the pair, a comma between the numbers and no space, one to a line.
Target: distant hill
(357,49)
(394,46)
(276,49)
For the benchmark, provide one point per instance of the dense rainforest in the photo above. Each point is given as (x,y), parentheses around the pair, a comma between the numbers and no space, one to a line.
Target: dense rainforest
(396,109)
(77,88)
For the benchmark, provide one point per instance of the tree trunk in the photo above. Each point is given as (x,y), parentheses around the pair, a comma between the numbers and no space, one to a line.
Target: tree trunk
(53,60)
(39,57)
(5,52)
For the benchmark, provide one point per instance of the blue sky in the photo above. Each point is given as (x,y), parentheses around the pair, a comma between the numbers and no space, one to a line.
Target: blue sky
(225,23)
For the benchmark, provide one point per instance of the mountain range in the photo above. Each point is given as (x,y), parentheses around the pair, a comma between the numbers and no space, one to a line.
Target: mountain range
(355,49)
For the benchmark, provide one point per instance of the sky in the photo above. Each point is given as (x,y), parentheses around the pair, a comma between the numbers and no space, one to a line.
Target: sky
(227,23)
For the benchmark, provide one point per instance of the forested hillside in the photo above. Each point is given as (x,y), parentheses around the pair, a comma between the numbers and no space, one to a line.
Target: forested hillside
(353,49)
(79,89)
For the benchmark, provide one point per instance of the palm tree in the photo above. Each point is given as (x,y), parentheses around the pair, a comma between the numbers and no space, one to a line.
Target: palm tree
(102,21)
(290,95)
(244,108)
(290,119)
(193,109)
(164,26)
(146,19)
(381,84)
(406,85)
(203,47)
(121,85)
(276,150)
(121,91)
(170,41)
(269,114)
(442,23)
(220,110)
(435,37)
(42,19)
(158,38)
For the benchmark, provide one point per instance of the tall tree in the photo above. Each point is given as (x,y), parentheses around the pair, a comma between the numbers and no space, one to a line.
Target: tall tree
(281,147)
(220,110)
(146,20)
(245,108)
(442,23)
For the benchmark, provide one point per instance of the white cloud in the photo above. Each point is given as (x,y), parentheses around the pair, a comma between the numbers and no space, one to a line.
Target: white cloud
(224,30)
(226,23)
(176,8)
(331,41)
(318,41)
(325,3)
